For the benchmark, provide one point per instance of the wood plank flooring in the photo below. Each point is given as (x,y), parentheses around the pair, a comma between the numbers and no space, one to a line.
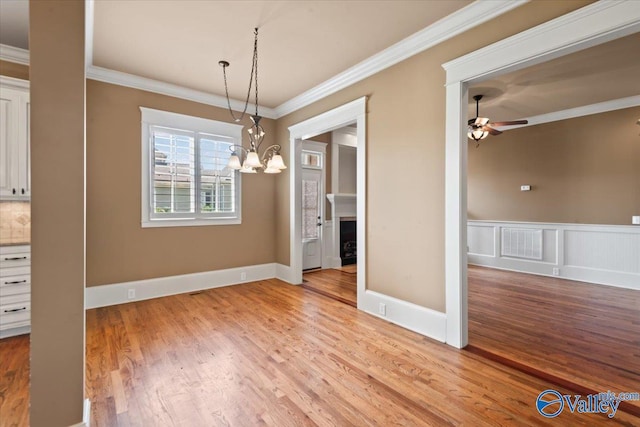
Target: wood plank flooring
(578,332)
(268,353)
(333,283)
(14,381)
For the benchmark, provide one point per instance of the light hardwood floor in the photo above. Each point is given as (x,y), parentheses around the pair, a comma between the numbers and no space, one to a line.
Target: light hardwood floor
(578,334)
(268,353)
(333,283)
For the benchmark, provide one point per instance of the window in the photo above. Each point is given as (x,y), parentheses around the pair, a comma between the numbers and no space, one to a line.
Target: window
(185,179)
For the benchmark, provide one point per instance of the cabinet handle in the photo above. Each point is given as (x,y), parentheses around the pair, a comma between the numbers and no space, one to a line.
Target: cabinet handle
(23,191)
(15,309)
(13,190)
(15,282)
(15,258)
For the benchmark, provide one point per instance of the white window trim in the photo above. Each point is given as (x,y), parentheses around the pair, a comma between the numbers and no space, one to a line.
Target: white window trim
(180,121)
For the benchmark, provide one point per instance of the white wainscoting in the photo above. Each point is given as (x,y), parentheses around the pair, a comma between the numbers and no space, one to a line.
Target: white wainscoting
(105,295)
(603,254)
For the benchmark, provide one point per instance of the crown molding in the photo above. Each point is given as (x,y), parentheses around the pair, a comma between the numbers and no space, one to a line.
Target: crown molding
(14,54)
(156,86)
(597,23)
(458,22)
(585,110)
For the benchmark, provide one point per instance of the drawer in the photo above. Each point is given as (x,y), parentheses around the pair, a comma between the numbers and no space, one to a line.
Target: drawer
(15,271)
(14,285)
(15,315)
(21,259)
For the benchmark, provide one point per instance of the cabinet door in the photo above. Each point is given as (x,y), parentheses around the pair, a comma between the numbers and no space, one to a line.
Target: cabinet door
(9,100)
(14,143)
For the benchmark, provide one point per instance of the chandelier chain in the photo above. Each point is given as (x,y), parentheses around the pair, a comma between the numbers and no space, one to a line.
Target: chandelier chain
(254,73)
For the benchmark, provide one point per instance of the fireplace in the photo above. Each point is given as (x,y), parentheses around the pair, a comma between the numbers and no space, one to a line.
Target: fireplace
(348,242)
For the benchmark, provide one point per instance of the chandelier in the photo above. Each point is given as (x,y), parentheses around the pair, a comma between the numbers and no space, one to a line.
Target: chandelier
(250,160)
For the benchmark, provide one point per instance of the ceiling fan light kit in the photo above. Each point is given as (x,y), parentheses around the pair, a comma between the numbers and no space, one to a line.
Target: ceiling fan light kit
(270,160)
(480,127)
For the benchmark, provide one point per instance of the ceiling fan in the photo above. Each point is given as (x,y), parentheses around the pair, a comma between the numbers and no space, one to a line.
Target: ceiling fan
(481,127)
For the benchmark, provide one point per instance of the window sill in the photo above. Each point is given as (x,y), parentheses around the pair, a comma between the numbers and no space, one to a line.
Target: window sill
(189,222)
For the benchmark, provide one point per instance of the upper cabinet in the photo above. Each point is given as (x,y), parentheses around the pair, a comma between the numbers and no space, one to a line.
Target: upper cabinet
(15,174)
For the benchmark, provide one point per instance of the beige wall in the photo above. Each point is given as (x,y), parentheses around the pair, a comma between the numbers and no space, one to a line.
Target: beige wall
(118,249)
(56,38)
(11,69)
(583,170)
(406,126)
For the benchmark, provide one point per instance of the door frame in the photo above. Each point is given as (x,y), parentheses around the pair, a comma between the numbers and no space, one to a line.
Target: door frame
(589,26)
(320,148)
(352,112)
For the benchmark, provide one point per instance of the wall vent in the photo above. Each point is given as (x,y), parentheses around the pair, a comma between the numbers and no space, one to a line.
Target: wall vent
(522,243)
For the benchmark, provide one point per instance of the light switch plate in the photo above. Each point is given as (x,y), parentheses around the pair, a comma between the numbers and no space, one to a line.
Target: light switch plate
(635,220)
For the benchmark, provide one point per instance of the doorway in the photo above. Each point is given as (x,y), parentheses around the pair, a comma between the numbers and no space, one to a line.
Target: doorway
(354,114)
(589,26)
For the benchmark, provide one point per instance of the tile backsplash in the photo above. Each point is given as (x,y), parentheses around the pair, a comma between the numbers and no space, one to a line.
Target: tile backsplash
(15,222)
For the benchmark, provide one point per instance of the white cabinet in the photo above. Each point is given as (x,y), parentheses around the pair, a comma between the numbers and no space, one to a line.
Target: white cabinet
(15,176)
(15,290)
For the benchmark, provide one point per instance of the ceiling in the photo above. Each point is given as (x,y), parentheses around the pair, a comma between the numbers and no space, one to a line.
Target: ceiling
(601,73)
(305,43)
(301,43)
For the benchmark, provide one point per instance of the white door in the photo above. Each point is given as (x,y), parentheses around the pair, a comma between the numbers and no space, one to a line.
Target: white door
(312,202)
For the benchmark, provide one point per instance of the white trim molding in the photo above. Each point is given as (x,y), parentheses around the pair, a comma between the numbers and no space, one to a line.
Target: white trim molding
(86,415)
(118,293)
(589,26)
(414,317)
(14,54)
(458,22)
(13,83)
(601,254)
(347,114)
(585,110)
(150,85)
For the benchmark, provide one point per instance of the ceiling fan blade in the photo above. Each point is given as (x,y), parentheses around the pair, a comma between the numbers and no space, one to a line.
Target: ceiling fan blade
(491,130)
(510,123)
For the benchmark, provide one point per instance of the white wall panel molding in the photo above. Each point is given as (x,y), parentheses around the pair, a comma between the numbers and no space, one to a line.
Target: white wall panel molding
(601,254)
(105,295)
(414,317)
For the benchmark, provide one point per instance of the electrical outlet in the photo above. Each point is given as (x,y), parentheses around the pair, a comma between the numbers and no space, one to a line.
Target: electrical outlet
(635,220)
(243,276)
(131,293)
(382,309)
(525,188)
(556,271)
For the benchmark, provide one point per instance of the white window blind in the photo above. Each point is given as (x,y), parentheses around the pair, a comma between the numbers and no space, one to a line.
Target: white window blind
(187,179)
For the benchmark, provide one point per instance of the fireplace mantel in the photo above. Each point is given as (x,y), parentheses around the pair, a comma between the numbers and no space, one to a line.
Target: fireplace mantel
(342,205)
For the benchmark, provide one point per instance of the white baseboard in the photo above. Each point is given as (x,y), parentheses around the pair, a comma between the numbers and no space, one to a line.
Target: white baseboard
(333,262)
(6,333)
(422,320)
(105,295)
(86,415)
(284,273)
